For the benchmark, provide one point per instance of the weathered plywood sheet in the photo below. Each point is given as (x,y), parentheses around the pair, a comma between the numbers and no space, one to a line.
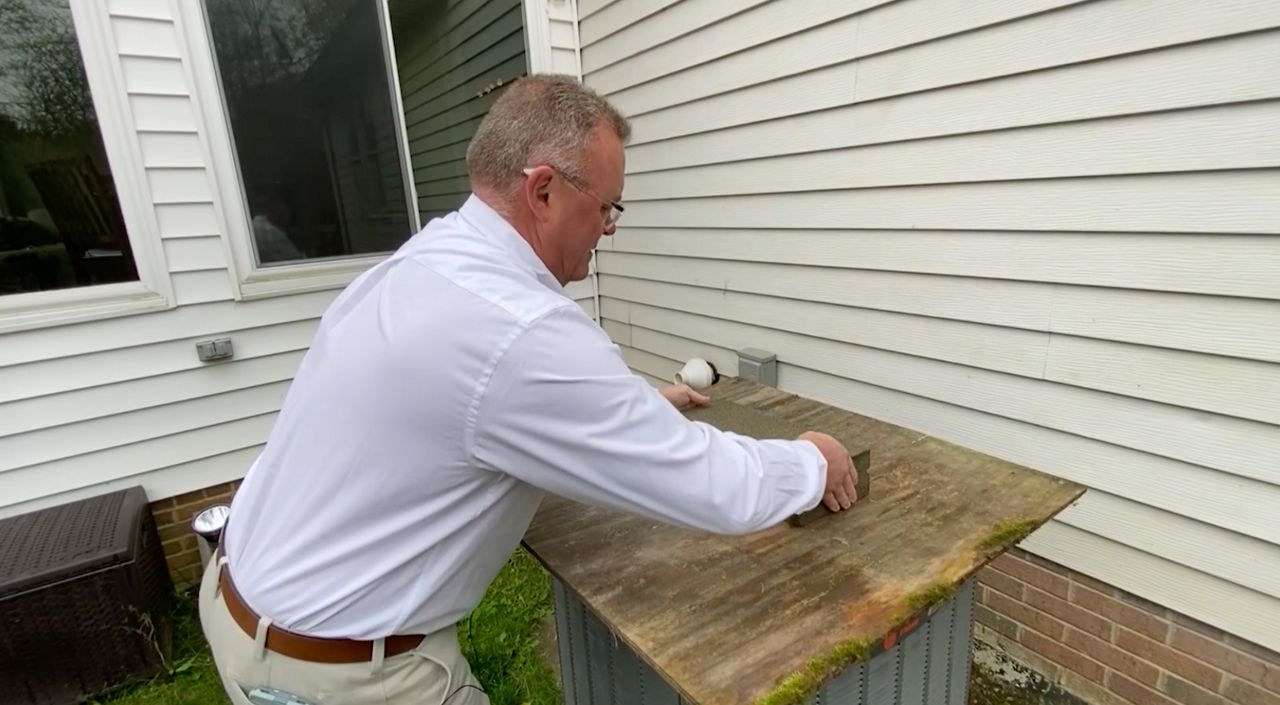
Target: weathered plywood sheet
(731,620)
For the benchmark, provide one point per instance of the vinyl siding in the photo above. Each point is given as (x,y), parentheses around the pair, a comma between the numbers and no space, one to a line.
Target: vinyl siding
(1045,229)
(93,406)
(452,59)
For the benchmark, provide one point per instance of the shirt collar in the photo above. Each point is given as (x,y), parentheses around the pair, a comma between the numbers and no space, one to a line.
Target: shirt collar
(490,223)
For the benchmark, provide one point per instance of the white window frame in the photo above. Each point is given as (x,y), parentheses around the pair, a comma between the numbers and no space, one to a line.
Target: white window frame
(153,291)
(251,280)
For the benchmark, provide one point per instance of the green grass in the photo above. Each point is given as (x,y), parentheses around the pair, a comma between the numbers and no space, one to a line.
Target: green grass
(500,639)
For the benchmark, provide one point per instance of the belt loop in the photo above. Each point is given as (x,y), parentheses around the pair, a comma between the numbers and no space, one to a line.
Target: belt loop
(222,565)
(379,654)
(260,638)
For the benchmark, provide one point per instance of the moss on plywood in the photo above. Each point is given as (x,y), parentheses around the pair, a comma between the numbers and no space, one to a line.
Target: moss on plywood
(799,686)
(1008,533)
(921,600)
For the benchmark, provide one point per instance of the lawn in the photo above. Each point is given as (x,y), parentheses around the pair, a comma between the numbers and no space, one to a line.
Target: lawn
(499,639)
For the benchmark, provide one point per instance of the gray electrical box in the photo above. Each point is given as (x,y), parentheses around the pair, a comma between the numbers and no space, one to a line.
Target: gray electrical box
(217,349)
(759,366)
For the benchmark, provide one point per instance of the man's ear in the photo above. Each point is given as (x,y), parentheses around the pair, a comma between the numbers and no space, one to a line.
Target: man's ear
(537,192)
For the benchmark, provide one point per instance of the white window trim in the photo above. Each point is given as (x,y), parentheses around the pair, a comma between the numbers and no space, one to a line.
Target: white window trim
(154,289)
(251,281)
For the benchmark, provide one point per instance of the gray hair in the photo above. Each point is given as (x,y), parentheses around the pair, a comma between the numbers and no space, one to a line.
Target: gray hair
(540,119)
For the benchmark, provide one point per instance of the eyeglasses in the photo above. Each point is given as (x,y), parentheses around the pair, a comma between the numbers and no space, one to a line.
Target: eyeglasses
(615,208)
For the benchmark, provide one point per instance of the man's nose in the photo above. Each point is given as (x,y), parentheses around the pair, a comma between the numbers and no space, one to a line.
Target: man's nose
(610,229)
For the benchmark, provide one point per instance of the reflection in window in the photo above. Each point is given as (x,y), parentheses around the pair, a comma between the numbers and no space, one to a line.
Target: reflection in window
(60,221)
(306,88)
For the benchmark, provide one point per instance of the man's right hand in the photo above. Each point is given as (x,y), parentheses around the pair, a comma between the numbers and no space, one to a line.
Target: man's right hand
(841,485)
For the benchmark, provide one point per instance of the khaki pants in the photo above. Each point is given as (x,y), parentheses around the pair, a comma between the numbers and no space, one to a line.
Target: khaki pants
(435,673)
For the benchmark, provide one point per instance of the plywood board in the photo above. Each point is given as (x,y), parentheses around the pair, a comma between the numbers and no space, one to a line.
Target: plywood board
(768,616)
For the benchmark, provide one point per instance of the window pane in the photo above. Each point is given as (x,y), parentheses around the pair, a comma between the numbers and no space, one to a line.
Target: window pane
(60,221)
(306,87)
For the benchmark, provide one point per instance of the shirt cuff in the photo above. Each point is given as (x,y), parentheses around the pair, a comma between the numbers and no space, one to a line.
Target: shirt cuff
(814,464)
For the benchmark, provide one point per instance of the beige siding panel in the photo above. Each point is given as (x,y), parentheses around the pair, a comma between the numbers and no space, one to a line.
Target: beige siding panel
(163,113)
(1043,41)
(153,76)
(666,28)
(49,410)
(1084,32)
(1242,560)
(1240,447)
(1232,502)
(1010,350)
(588,307)
(1014,304)
(579,289)
(618,15)
(1230,202)
(151,9)
(79,471)
(618,332)
(193,254)
(679,349)
(1245,613)
(202,287)
(836,42)
(1221,325)
(1224,137)
(56,375)
(183,322)
(1243,388)
(187,220)
(170,150)
(165,482)
(56,443)
(1187,263)
(180,185)
(1213,72)
(586,8)
(145,37)
(652,366)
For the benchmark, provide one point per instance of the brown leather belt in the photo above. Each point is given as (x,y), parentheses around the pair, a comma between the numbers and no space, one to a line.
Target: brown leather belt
(308,648)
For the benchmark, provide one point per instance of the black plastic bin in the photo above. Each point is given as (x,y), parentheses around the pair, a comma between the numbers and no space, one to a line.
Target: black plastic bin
(84,600)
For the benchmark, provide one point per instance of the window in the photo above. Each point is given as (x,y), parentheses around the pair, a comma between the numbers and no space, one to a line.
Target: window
(314,126)
(61,224)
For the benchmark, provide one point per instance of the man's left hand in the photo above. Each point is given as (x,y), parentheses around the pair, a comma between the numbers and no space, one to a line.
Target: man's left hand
(683,397)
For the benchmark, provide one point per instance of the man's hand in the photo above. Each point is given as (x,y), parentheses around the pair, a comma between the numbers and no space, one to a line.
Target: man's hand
(841,490)
(683,397)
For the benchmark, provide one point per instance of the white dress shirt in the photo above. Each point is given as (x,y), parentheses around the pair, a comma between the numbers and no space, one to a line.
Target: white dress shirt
(446,390)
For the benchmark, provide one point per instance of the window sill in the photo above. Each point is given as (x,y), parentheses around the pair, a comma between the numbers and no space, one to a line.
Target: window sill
(44,309)
(307,277)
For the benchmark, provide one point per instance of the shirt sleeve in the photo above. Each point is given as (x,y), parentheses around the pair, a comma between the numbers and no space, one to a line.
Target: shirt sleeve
(562,411)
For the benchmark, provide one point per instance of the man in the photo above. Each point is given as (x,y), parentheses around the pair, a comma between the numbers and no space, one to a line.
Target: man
(446,390)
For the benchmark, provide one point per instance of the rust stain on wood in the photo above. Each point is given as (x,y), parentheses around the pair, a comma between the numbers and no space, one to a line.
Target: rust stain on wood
(726,619)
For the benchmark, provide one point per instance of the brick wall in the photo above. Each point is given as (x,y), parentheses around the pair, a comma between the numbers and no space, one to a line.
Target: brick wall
(173,520)
(1112,648)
